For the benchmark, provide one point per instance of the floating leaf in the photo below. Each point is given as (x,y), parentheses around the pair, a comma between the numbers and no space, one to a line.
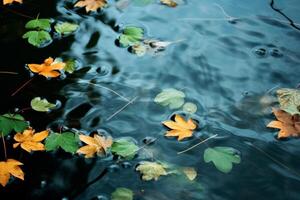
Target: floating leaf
(70,66)
(125,148)
(97,144)
(180,128)
(190,173)
(10,122)
(41,105)
(222,157)
(9,168)
(131,35)
(37,38)
(91,5)
(48,68)
(151,170)
(122,194)
(68,141)
(42,24)
(170,97)
(139,49)
(289,100)
(189,107)
(11,1)
(289,125)
(30,141)
(169,3)
(66,28)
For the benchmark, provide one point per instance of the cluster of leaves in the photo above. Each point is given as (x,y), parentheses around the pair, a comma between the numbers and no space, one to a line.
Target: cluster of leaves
(39,31)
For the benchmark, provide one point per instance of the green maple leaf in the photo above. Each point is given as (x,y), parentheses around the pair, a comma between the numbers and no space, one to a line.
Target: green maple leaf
(66,27)
(68,141)
(37,38)
(10,122)
(41,105)
(122,194)
(170,97)
(125,148)
(42,24)
(131,35)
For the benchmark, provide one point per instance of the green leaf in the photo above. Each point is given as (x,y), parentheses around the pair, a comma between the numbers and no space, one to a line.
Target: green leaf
(41,105)
(10,122)
(70,66)
(170,97)
(151,170)
(189,107)
(66,27)
(222,157)
(131,35)
(122,194)
(125,148)
(68,141)
(42,24)
(289,100)
(37,38)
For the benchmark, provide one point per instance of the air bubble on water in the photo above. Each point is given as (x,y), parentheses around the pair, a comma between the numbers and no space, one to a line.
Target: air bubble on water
(260,52)
(43,183)
(101,197)
(276,53)
(149,140)
(113,168)
(126,165)
(58,104)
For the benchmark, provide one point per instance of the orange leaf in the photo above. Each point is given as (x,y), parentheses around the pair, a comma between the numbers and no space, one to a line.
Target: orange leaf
(91,5)
(11,1)
(48,68)
(10,168)
(180,127)
(97,144)
(288,124)
(30,141)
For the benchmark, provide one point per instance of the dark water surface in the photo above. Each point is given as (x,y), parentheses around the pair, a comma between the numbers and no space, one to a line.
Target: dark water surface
(234,54)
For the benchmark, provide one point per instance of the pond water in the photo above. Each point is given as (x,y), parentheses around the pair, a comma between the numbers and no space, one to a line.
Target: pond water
(230,58)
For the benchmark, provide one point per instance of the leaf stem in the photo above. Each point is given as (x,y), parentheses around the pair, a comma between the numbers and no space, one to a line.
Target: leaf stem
(22,86)
(121,109)
(7,72)
(190,148)
(4,145)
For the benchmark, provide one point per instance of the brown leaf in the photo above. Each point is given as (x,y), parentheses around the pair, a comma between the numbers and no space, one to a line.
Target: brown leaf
(48,69)
(10,168)
(289,125)
(30,141)
(169,3)
(11,1)
(91,5)
(97,144)
(180,128)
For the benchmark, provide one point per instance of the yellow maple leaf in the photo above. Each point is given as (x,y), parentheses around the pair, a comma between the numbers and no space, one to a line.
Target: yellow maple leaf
(288,124)
(180,127)
(11,1)
(48,68)
(10,168)
(169,3)
(97,144)
(30,141)
(91,5)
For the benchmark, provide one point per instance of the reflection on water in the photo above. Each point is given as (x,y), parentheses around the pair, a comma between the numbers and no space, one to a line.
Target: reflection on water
(231,58)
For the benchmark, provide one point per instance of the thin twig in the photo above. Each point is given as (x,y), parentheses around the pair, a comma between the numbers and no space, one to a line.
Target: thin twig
(4,146)
(22,86)
(197,144)
(17,13)
(7,72)
(142,147)
(121,109)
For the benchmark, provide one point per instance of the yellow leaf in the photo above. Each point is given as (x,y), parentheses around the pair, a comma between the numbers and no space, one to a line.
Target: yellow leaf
(288,124)
(30,141)
(180,128)
(97,144)
(169,3)
(190,173)
(11,1)
(10,168)
(48,68)
(91,5)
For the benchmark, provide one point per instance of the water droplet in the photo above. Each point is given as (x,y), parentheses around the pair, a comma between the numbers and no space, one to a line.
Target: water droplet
(261,52)
(149,140)
(276,53)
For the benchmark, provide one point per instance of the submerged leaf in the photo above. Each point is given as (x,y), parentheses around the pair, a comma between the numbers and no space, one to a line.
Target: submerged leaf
(41,105)
(68,141)
(42,24)
(151,170)
(10,122)
(131,35)
(9,168)
(37,38)
(170,97)
(31,141)
(70,66)
(125,148)
(222,157)
(289,100)
(190,173)
(47,69)
(97,144)
(91,5)
(66,27)
(189,107)
(180,128)
(122,194)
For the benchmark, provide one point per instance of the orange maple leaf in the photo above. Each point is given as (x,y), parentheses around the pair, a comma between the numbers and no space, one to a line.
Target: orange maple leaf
(11,1)
(30,141)
(288,124)
(180,127)
(48,68)
(91,5)
(97,144)
(10,168)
